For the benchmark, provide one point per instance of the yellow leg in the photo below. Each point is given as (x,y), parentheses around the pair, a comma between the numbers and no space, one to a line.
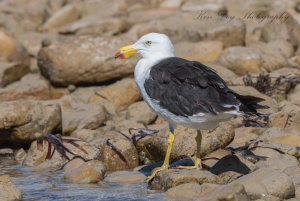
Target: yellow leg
(167,158)
(198,164)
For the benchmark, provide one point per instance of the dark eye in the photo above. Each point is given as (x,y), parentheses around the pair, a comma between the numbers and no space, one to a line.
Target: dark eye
(148,42)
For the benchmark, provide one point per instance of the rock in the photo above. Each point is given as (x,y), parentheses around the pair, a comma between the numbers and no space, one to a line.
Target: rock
(271,182)
(175,26)
(121,94)
(242,60)
(274,54)
(278,119)
(231,192)
(77,114)
(91,25)
(89,172)
(8,190)
(204,5)
(212,158)
(126,177)
(123,125)
(8,45)
(146,15)
(294,173)
(171,4)
(126,156)
(11,50)
(244,135)
(93,137)
(208,192)
(30,87)
(229,176)
(92,60)
(287,30)
(223,72)
(52,7)
(25,121)
(295,96)
(189,191)
(280,162)
(284,140)
(30,12)
(141,113)
(10,72)
(20,156)
(232,163)
(6,151)
(32,41)
(152,149)
(206,51)
(67,14)
(167,179)
(294,61)
(116,7)
(294,115)
(37,154)
(73,164)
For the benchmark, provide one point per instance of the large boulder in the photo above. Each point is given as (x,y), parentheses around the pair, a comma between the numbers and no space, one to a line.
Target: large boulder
(242,60)
(207,192)
(274,54)
(167,179)
(83,60)
(206,51)
(267,181)
(67,14)
(25,121)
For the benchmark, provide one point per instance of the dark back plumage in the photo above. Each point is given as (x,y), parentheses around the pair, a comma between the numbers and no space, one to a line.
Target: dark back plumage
(187,87)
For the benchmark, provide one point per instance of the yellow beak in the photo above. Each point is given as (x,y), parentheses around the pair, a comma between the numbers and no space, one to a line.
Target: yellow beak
(126,52)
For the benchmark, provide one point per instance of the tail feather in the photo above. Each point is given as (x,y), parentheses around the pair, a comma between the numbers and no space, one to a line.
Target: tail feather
(249,105)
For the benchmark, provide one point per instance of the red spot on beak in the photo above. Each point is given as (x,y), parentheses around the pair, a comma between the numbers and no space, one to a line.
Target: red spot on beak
(119,55)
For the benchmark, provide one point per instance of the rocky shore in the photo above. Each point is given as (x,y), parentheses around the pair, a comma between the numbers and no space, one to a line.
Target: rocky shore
(66,105)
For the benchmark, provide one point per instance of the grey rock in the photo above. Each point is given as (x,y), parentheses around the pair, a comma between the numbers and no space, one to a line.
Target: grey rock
(266,181)
(92,60)
(25,121)
(167,179)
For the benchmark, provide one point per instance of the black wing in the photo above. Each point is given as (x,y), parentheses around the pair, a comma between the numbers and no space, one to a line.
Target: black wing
(187,87)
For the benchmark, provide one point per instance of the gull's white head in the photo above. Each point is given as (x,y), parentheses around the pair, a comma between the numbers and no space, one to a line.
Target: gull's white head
(149,45)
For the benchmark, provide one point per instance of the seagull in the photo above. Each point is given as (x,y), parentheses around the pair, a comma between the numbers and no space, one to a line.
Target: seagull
(183,92)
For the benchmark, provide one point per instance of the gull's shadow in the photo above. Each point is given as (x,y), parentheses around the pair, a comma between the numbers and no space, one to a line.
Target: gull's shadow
(225,164)
(230,163)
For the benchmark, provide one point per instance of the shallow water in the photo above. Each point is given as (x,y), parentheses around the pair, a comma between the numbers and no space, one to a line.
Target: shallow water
(48,186)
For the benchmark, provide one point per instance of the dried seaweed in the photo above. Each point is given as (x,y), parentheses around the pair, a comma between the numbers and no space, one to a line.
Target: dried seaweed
(141,133)
(57,143)
(109,144)
(268,85)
